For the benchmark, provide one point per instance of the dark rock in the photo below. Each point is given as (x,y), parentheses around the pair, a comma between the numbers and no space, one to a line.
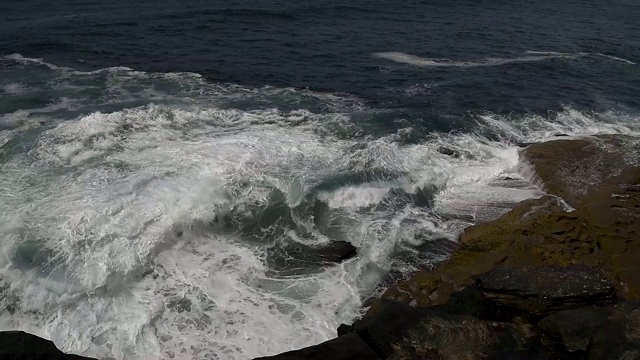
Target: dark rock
(344,329)
(296,258)
(398,331)
(19,345)
(468,301)
(449,151)
(572,329)
(347,347)
(337,251)
(540,290)
(610,332)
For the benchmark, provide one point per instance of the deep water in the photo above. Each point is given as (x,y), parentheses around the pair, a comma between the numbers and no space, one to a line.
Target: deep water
(167,170)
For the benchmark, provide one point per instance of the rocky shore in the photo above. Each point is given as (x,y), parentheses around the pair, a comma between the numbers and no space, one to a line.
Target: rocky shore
(555,278)
(19,345)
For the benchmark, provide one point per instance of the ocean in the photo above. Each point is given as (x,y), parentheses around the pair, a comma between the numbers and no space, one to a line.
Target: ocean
(168,170)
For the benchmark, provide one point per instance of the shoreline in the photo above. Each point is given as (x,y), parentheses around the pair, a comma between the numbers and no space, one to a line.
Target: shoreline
(553,278)
(587,223)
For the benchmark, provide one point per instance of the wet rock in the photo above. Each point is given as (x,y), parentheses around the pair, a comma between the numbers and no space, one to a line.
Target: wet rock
(347,347)
(398,331)
(424,288)
(337,251)
(573,168)
(296,258)
(344,329)
(449,151)
(525,144)
(540,290)
(19,345)
(468,301)
(610,332)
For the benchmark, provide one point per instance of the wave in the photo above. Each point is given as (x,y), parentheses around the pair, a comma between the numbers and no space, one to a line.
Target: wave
(529,56)
(121,226)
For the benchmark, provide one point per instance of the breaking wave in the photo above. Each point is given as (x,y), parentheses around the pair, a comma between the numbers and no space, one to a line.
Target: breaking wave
(154,215)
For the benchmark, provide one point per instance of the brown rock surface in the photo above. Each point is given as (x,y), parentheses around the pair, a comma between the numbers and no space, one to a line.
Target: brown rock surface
(599,177)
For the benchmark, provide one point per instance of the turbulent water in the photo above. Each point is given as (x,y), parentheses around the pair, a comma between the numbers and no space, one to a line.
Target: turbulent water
(167,173)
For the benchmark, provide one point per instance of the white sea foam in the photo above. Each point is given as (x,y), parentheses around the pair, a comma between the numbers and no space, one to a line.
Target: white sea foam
(355,196)
(404,58)
(569,122)
(529,56)
(14,88)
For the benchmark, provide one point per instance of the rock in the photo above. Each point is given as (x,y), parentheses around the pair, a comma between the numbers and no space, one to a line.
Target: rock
(344,329)
(468,301)
(296,258)
(337,251)
(610,332)
(347,347)
(398,331)
(525,144)
(449,151)
(19,345)
(539,290)
(572,168)
(425,288)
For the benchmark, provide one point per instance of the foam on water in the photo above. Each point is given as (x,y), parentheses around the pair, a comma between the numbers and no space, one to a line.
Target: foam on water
(529,56)
(147,230)
(355,196)
(569,122)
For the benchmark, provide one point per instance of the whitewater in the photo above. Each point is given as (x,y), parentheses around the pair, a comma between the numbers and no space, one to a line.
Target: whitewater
(146,215)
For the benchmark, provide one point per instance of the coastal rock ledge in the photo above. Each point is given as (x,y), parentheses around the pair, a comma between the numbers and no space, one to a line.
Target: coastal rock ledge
(19,345)
(555,278)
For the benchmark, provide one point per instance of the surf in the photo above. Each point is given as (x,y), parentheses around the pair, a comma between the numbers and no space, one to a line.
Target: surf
(139,226)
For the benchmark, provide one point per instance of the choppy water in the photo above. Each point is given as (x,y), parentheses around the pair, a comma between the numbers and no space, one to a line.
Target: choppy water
(161,166)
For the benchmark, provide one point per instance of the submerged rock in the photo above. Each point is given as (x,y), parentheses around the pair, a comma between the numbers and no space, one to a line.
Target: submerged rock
(337,251)
(19,345)
(297,258)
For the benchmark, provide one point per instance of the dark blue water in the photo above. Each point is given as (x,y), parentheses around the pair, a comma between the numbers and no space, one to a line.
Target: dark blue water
(328,46)
(173,176)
